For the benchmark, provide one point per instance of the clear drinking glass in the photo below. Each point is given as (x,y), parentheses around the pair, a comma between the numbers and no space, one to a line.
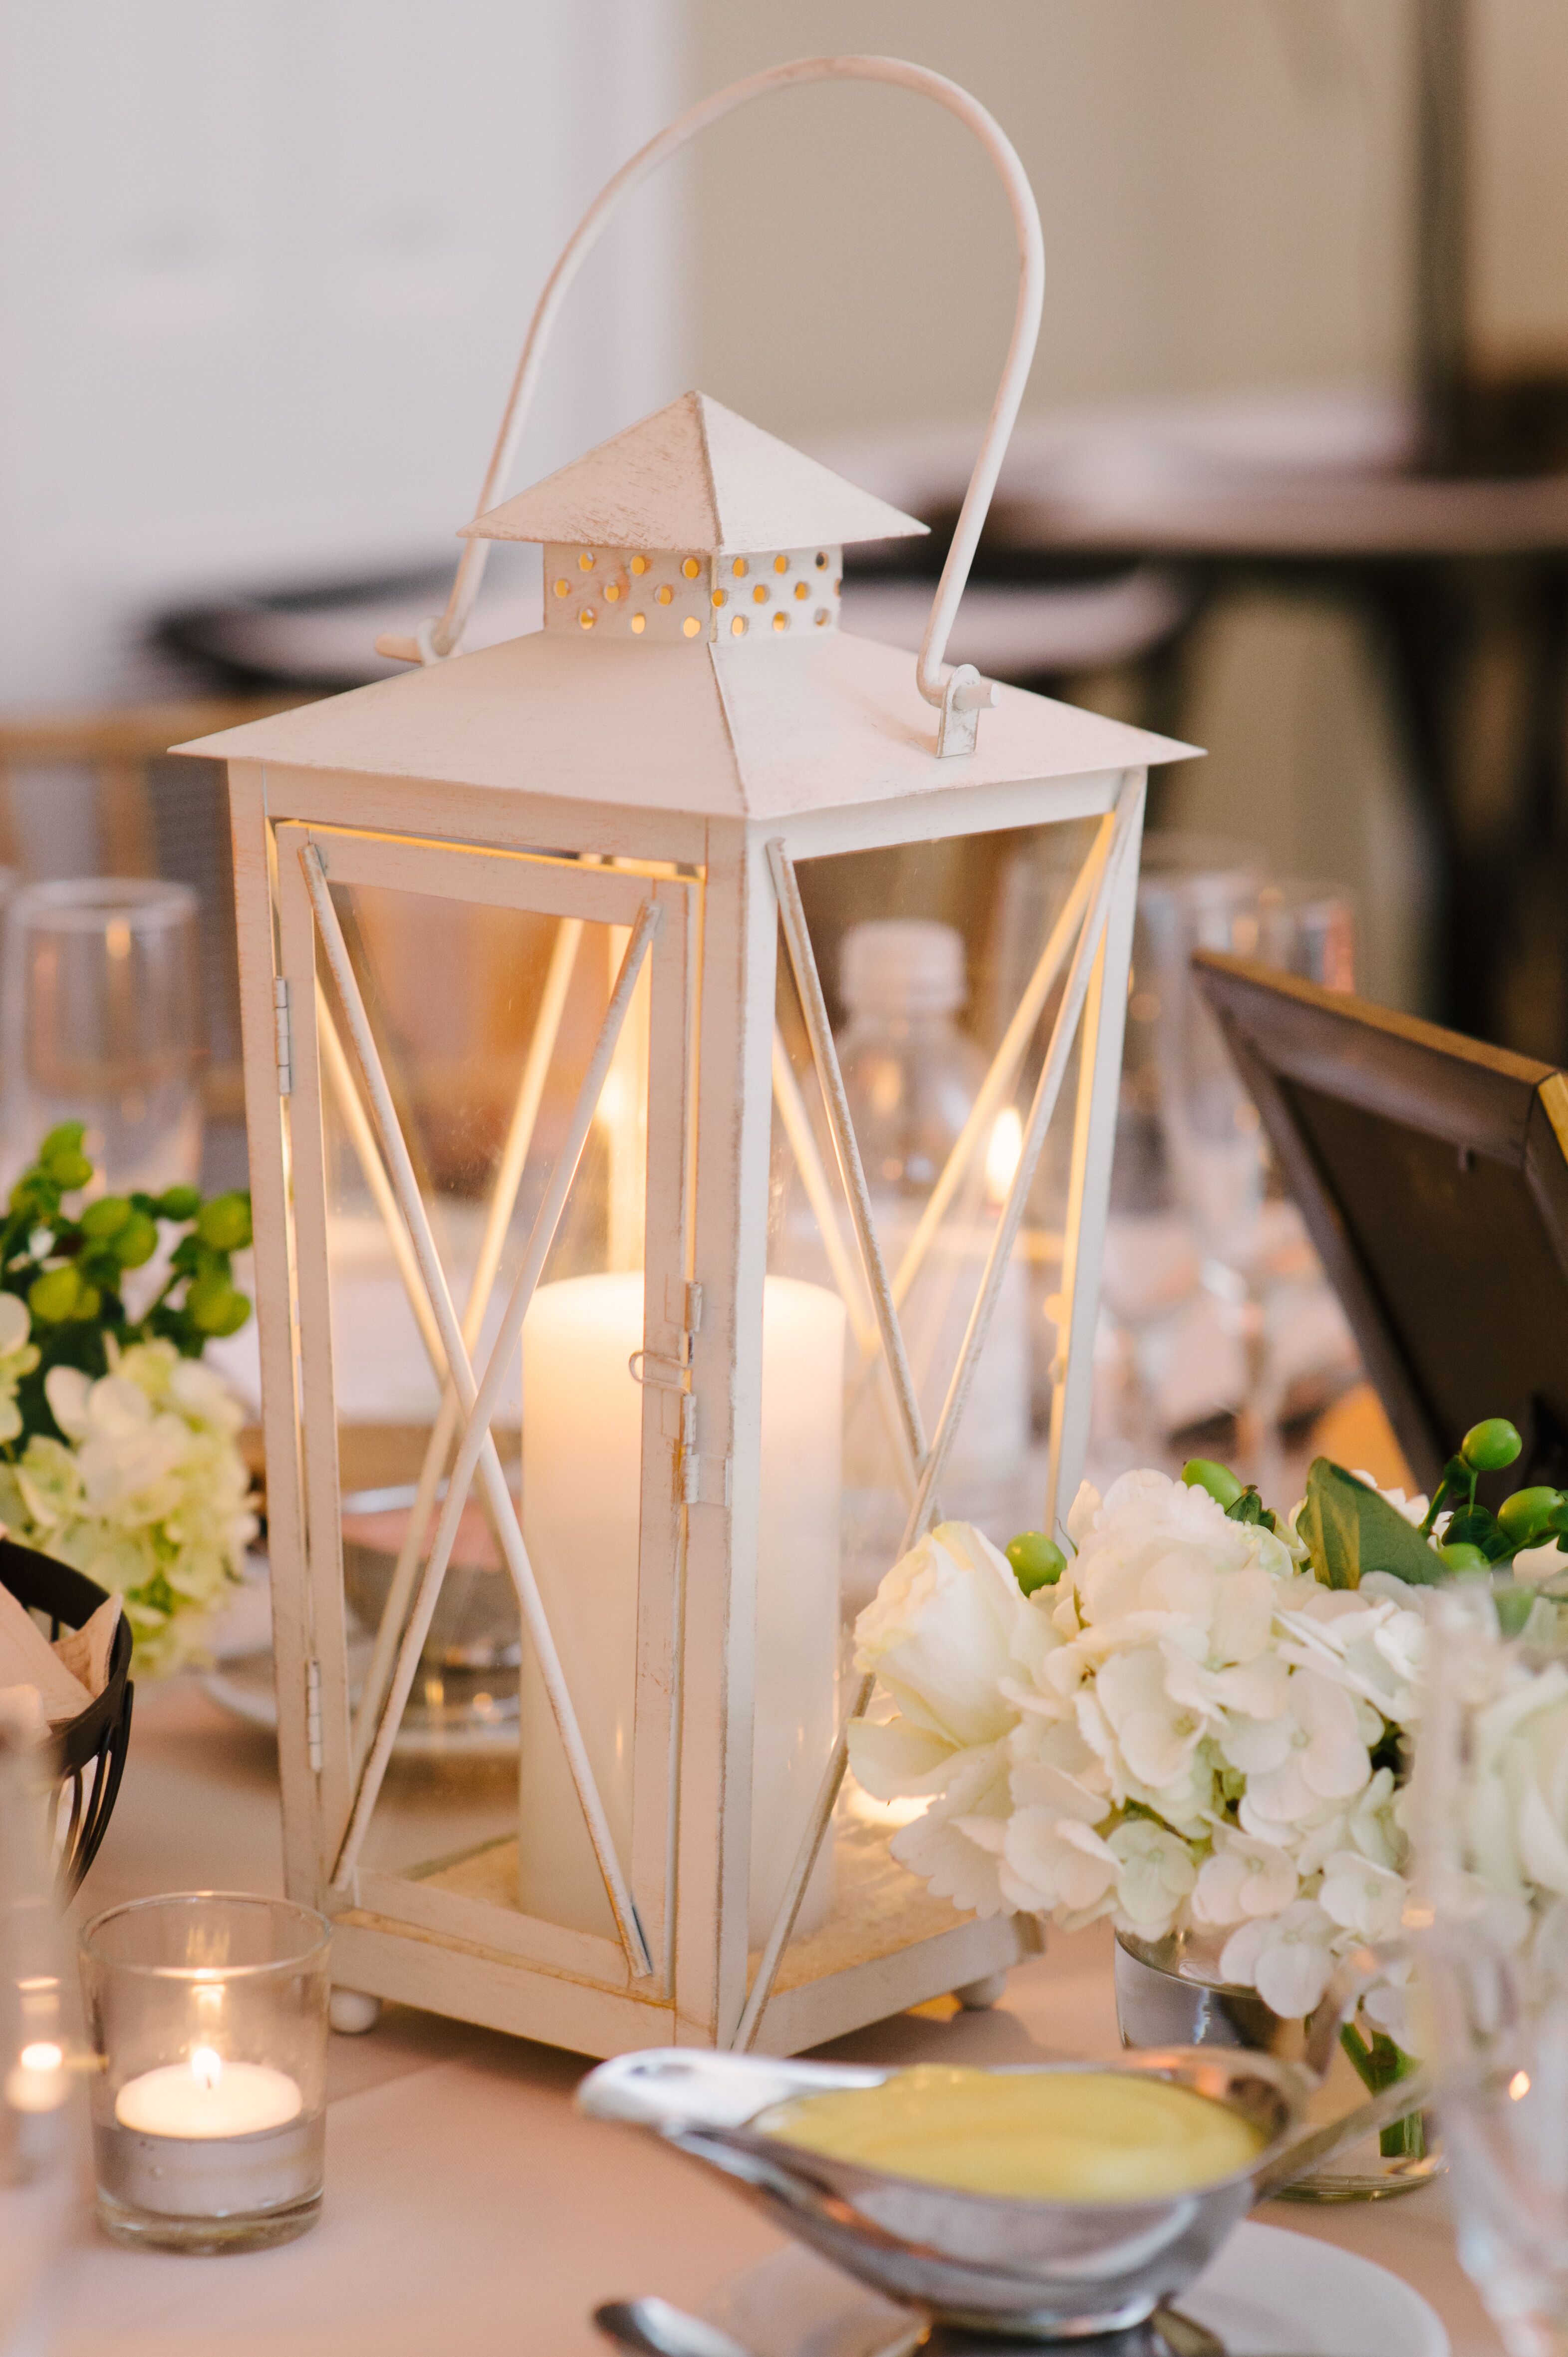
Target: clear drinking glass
(1309,928)
(36,2174)
(1490,1783)
(207,2012)
(103,1017)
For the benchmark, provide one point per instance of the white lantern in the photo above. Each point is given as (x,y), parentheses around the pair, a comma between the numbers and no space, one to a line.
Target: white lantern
(574,1289)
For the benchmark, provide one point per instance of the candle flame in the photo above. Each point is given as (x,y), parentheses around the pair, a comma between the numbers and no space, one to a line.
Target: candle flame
(1518,2084)
(38,2081)
(206,2066)
(1003,1153)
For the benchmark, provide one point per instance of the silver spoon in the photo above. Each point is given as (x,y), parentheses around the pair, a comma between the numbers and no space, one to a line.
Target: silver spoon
(656,2329)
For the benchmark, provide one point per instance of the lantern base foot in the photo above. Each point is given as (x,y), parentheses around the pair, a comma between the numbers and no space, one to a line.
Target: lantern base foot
(352,2013)
(979,1996)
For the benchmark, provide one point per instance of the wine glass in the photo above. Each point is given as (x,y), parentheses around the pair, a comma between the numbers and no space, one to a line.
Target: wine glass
(102,1020)
(1490,1914)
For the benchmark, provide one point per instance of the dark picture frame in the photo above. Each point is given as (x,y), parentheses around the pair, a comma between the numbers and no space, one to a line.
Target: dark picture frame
(1432,1172)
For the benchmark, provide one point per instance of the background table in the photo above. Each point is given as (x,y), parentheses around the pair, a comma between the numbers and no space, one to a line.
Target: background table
(468,2209)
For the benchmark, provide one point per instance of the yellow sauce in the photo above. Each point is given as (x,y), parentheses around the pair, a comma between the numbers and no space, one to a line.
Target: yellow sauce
(1068,2135)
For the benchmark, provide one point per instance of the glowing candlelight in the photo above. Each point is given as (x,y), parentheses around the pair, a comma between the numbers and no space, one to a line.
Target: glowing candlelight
(206,2096)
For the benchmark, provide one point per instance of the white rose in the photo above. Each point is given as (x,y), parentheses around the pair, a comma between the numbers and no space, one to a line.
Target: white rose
(1081,1514)
(938,1634)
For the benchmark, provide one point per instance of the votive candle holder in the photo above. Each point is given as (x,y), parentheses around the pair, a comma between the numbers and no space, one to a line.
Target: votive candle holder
(207,2012)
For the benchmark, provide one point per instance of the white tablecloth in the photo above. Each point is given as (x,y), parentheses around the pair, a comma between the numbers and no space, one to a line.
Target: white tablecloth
(468,2209)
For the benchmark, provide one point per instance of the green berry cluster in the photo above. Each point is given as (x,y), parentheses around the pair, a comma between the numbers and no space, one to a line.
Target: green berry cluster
(69,1268)
(1476,1539)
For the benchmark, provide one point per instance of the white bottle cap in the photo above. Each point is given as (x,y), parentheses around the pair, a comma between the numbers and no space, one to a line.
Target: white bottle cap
(902,965)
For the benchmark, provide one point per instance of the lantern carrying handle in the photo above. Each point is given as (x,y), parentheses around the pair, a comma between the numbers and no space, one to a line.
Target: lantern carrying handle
(961,694)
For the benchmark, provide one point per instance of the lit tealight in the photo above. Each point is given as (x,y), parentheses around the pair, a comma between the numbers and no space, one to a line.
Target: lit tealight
(37,2080)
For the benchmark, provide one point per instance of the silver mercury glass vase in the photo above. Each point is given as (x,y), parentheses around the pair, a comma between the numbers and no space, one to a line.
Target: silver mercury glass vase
(1169,1993)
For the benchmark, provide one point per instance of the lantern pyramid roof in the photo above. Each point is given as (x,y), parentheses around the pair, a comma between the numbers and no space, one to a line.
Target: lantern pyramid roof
(694,475)
(756,727)
(721,730)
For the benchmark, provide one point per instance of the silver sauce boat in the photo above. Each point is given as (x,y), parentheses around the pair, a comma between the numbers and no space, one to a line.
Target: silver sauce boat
(1035,2270)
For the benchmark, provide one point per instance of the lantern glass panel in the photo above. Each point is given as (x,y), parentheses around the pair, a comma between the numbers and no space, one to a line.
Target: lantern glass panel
(929,957)
(485,1021)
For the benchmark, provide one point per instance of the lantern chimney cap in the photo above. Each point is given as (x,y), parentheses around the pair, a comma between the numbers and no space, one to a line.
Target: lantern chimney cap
(694,477)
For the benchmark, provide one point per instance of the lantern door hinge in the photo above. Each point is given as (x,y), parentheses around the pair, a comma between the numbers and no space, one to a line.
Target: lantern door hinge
(705,1480)
(313,1714)
(283,1023)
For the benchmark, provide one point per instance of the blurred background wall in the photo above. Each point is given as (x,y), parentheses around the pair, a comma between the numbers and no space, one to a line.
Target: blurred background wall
(264,265)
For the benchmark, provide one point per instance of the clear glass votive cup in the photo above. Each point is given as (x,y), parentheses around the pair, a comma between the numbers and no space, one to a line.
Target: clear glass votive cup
(207,2012)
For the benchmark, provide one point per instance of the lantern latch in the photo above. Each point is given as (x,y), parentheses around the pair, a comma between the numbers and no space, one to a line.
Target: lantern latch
(283,1025)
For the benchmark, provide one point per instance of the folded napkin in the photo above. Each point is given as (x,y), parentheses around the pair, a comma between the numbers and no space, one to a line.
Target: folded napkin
(67,1675)
(85,1650)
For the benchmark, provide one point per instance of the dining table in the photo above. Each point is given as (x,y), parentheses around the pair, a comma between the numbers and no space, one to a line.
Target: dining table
(469,2211)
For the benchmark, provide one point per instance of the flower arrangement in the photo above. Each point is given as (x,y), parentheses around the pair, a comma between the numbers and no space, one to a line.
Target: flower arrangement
(117,1445)
(1195,1719)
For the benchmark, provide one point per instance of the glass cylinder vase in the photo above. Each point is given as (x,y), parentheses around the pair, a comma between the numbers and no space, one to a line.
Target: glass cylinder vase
(1169,1992)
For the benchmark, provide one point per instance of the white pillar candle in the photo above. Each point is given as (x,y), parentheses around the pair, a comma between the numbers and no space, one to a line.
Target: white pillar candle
(581,1489)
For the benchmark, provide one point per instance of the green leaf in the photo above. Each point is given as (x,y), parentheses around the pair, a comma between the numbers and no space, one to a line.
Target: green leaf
(1349,1531)
(1249,1508)
(1476,1526)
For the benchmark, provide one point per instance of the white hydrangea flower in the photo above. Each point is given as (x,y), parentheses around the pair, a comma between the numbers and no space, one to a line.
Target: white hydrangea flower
(148,1494)
(1287,1958)
(1532,1565)
(18,1357)
(1368,1640)
(1155,1735)
(1180,1733)
(1387,2005)
(1244,1877)
(1312,1752)
(1360,1895)
(1413,1509)
(949,1847)
(1157,1874)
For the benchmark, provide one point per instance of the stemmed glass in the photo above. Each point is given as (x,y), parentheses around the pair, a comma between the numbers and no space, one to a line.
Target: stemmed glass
(1490,1912)
(1193,895)
(103,1026)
